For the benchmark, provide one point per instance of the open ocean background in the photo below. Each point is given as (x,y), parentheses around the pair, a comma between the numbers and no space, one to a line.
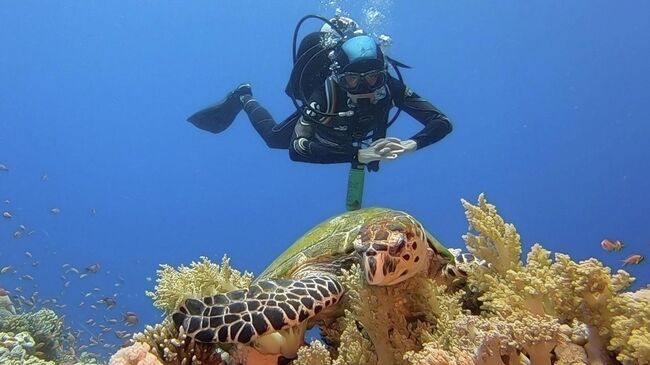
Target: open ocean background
(549,102)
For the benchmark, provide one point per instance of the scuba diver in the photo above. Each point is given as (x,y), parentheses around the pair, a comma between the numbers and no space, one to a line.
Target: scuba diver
(340,75)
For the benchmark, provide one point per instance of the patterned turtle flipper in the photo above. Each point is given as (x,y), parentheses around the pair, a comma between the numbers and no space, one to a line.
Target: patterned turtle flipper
(242,316)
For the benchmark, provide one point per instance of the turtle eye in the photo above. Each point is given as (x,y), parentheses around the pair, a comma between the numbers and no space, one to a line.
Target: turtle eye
(360,248)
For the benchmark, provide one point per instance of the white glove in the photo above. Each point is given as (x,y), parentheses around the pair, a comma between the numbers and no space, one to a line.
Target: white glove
(386,149)
(370,154)
(387,146)
(409,145)
(392,145)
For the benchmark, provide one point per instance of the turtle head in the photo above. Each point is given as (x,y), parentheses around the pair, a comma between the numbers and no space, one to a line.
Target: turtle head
(392,249)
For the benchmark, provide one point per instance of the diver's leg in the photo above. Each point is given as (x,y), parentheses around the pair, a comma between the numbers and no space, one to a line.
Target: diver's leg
(275,135)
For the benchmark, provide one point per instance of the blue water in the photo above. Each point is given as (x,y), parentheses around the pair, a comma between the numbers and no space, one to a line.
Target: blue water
(549,102)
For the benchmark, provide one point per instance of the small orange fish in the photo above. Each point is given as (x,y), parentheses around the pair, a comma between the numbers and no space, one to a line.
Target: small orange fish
(633,260)
(610,246)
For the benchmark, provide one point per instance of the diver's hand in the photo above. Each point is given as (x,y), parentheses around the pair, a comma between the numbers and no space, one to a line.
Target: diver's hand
(369,154)
(397,146)
(387,146)
(409,145)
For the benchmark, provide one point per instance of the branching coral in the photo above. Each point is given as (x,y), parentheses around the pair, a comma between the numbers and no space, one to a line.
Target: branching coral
(200,279)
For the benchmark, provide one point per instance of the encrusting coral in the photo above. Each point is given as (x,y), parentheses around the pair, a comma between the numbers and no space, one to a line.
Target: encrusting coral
(546,310)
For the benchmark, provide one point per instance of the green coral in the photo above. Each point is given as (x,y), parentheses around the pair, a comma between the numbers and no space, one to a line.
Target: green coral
(19,349)
(200,279)
(44,326)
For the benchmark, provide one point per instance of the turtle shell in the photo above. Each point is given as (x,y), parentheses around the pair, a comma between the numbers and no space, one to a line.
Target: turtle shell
(331,240)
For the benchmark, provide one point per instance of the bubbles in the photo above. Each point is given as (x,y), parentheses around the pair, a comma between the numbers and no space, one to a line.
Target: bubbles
(374,16)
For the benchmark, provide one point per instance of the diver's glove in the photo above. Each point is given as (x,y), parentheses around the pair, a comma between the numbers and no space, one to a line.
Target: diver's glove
(409,146)
(387,146)
(396,146)
(379,152)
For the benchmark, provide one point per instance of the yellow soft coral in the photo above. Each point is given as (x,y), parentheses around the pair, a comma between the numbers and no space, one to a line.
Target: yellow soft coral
(631,327)
(431,355)
(559,290)
(393,317)
(136,354)
(314,354)
(201,279)
(498,242)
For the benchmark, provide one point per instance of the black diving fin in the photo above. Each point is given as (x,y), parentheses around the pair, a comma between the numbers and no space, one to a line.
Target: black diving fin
(218,117)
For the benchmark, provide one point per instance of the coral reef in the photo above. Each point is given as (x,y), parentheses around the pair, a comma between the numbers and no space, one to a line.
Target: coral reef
(36,338)
(200,279)
(174,348)
(19,349)
(44,326)
(547,309)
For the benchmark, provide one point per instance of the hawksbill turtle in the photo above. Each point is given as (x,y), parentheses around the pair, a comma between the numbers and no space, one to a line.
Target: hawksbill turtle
(302,286)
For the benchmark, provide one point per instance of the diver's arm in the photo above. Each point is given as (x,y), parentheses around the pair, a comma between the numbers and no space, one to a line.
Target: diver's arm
(305,148)
(436,124)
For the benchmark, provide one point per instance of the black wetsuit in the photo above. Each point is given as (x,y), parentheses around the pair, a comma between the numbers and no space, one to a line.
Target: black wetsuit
(338,139)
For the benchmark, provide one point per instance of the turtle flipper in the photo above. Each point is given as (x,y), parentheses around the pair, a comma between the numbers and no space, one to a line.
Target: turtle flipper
(241,316)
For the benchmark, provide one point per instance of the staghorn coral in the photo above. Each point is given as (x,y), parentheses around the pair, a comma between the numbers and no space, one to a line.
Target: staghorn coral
(546,310)
(200,279)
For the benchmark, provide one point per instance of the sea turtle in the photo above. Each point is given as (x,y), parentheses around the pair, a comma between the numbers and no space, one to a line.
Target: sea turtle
(302,286)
